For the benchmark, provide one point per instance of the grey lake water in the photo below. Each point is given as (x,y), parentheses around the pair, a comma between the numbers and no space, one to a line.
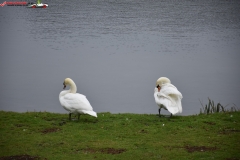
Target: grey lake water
(115,50)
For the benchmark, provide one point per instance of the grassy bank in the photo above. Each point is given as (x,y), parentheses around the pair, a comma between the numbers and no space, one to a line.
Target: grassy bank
(44,135)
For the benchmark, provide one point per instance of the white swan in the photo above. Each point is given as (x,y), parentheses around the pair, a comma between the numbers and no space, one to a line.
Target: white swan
(167,96)
(74,102)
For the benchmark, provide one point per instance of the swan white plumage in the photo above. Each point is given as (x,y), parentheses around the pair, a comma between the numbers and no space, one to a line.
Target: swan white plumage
(74,102)
(167,96)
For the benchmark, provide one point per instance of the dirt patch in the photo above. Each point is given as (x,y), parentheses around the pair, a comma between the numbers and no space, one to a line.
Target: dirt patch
(210,123)
(19,125)
(21,157)
(191,149)
(50,130)
(105,150)
(49,118)
(229,131)
(112,151)
(142,131)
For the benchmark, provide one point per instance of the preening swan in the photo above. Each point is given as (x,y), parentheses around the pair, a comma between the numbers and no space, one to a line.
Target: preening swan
(74,102)
(167,96)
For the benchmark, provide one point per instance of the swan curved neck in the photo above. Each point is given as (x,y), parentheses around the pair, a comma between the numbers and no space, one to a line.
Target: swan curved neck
(73,87)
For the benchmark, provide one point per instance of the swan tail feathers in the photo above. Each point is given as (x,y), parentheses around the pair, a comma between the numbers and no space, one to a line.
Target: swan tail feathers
(91,113)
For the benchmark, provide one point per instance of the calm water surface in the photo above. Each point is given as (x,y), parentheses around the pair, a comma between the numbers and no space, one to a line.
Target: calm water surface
(115,50)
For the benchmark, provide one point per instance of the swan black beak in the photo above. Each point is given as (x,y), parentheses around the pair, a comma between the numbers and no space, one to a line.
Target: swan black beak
(64,86)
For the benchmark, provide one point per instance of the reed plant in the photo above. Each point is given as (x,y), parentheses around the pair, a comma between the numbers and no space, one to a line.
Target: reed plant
(212,107)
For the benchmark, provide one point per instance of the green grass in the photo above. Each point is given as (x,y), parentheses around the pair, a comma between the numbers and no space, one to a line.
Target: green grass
(120,136)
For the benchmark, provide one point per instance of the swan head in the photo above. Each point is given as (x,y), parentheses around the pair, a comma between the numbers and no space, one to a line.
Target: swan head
(70,82)
(66,82)
(161,81)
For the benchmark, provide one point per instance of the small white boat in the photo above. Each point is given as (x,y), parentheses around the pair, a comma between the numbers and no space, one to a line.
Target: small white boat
(35,5)
(39,4)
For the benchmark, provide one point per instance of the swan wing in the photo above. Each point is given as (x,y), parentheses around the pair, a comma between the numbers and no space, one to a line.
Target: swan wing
(76,102)
(170,97)
(169,89)
(173,104)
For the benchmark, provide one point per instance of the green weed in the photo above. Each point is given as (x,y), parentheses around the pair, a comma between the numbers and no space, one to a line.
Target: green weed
(211,107)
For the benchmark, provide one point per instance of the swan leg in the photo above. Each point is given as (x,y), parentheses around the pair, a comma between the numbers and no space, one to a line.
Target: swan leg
(170,116)
(70,116)
(159,110)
